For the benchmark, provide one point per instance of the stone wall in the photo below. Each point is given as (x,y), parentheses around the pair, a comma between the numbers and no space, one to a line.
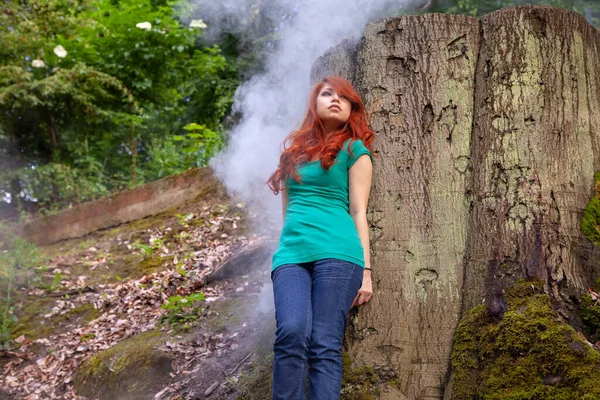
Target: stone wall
(127,205)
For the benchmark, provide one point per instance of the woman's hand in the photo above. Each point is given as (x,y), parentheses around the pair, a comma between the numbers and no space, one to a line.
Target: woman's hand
(366,290)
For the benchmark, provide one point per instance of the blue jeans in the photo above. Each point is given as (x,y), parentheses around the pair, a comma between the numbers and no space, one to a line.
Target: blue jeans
(312,301)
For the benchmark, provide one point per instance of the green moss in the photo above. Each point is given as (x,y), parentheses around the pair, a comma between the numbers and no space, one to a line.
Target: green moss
(31,321)
(359,383)
(590,221)
(590,314)
(87,336)
(33,325)
(130,368)
(138,225)
(87,312)
(528,354)
(154,263)
(123,265)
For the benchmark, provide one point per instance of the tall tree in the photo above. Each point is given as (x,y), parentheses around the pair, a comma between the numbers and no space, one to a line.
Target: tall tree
(45,93)
(94,96)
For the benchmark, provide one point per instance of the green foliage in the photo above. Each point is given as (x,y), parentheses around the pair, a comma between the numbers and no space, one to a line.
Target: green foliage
(97,94)
(184,218)
(590,313)
(182,310)
(590,221)
(201,143)
(192,149)
(92,96)
(22,259)
(87,336)
(529,353)
(143,248)
(142,45)
(590,9)
(176,81)
(71,183)
(58,277)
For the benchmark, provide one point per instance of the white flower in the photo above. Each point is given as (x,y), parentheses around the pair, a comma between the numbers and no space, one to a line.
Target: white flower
(144,25)
(60,51)
(198,23)
(38,64)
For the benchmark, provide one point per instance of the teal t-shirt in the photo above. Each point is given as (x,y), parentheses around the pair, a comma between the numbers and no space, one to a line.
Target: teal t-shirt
(317,221)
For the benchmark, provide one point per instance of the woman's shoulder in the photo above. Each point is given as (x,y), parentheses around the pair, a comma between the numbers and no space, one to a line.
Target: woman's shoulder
(352,144)
(356,149)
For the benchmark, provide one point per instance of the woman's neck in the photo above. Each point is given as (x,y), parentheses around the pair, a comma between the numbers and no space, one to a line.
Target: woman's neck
(329,127)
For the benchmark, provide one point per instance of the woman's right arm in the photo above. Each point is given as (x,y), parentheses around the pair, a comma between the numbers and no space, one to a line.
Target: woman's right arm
(284,201)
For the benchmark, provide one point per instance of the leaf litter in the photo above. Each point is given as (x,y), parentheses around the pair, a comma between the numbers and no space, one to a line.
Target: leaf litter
(44,368)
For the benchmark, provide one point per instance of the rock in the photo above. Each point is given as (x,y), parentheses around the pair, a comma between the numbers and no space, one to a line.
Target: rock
(253,257)
(131,369)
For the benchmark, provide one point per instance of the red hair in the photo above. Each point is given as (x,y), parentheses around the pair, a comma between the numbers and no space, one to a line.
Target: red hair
(304,144)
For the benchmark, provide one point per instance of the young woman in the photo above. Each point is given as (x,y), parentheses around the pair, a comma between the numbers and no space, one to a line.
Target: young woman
(321,267)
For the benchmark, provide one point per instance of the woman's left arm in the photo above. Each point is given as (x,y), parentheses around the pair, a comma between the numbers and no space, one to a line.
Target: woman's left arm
(359,178)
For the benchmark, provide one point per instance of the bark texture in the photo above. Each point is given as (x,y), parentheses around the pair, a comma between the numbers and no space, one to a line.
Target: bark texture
(534,152)
(417,80)
(487,142)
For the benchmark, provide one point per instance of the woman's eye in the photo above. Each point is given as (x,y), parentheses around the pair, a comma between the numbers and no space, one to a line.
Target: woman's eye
(325,93)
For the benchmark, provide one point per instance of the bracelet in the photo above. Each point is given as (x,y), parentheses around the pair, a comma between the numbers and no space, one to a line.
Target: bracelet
(369,269)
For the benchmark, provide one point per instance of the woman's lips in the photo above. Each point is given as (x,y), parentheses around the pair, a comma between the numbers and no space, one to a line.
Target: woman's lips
(335,108)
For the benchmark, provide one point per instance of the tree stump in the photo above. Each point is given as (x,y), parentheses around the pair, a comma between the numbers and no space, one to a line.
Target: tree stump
(487,140)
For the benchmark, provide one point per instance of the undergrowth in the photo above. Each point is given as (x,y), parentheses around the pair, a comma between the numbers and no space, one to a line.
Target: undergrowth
(19,260)
(182,310)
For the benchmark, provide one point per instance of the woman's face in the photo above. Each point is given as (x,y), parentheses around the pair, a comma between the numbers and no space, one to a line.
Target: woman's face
(332,109)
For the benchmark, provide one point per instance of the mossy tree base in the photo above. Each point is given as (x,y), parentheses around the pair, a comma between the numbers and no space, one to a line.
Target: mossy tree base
(530,353)
(359,383)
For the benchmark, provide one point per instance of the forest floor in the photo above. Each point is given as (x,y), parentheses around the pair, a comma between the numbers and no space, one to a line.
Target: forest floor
(173,306)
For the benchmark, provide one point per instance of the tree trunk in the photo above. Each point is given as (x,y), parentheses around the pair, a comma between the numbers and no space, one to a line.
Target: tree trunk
(52,134)
(488,139)
(416,75)
(133,146)
(536,145)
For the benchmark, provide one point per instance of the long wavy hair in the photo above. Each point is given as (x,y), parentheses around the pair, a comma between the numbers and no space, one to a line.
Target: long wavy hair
(310,142)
